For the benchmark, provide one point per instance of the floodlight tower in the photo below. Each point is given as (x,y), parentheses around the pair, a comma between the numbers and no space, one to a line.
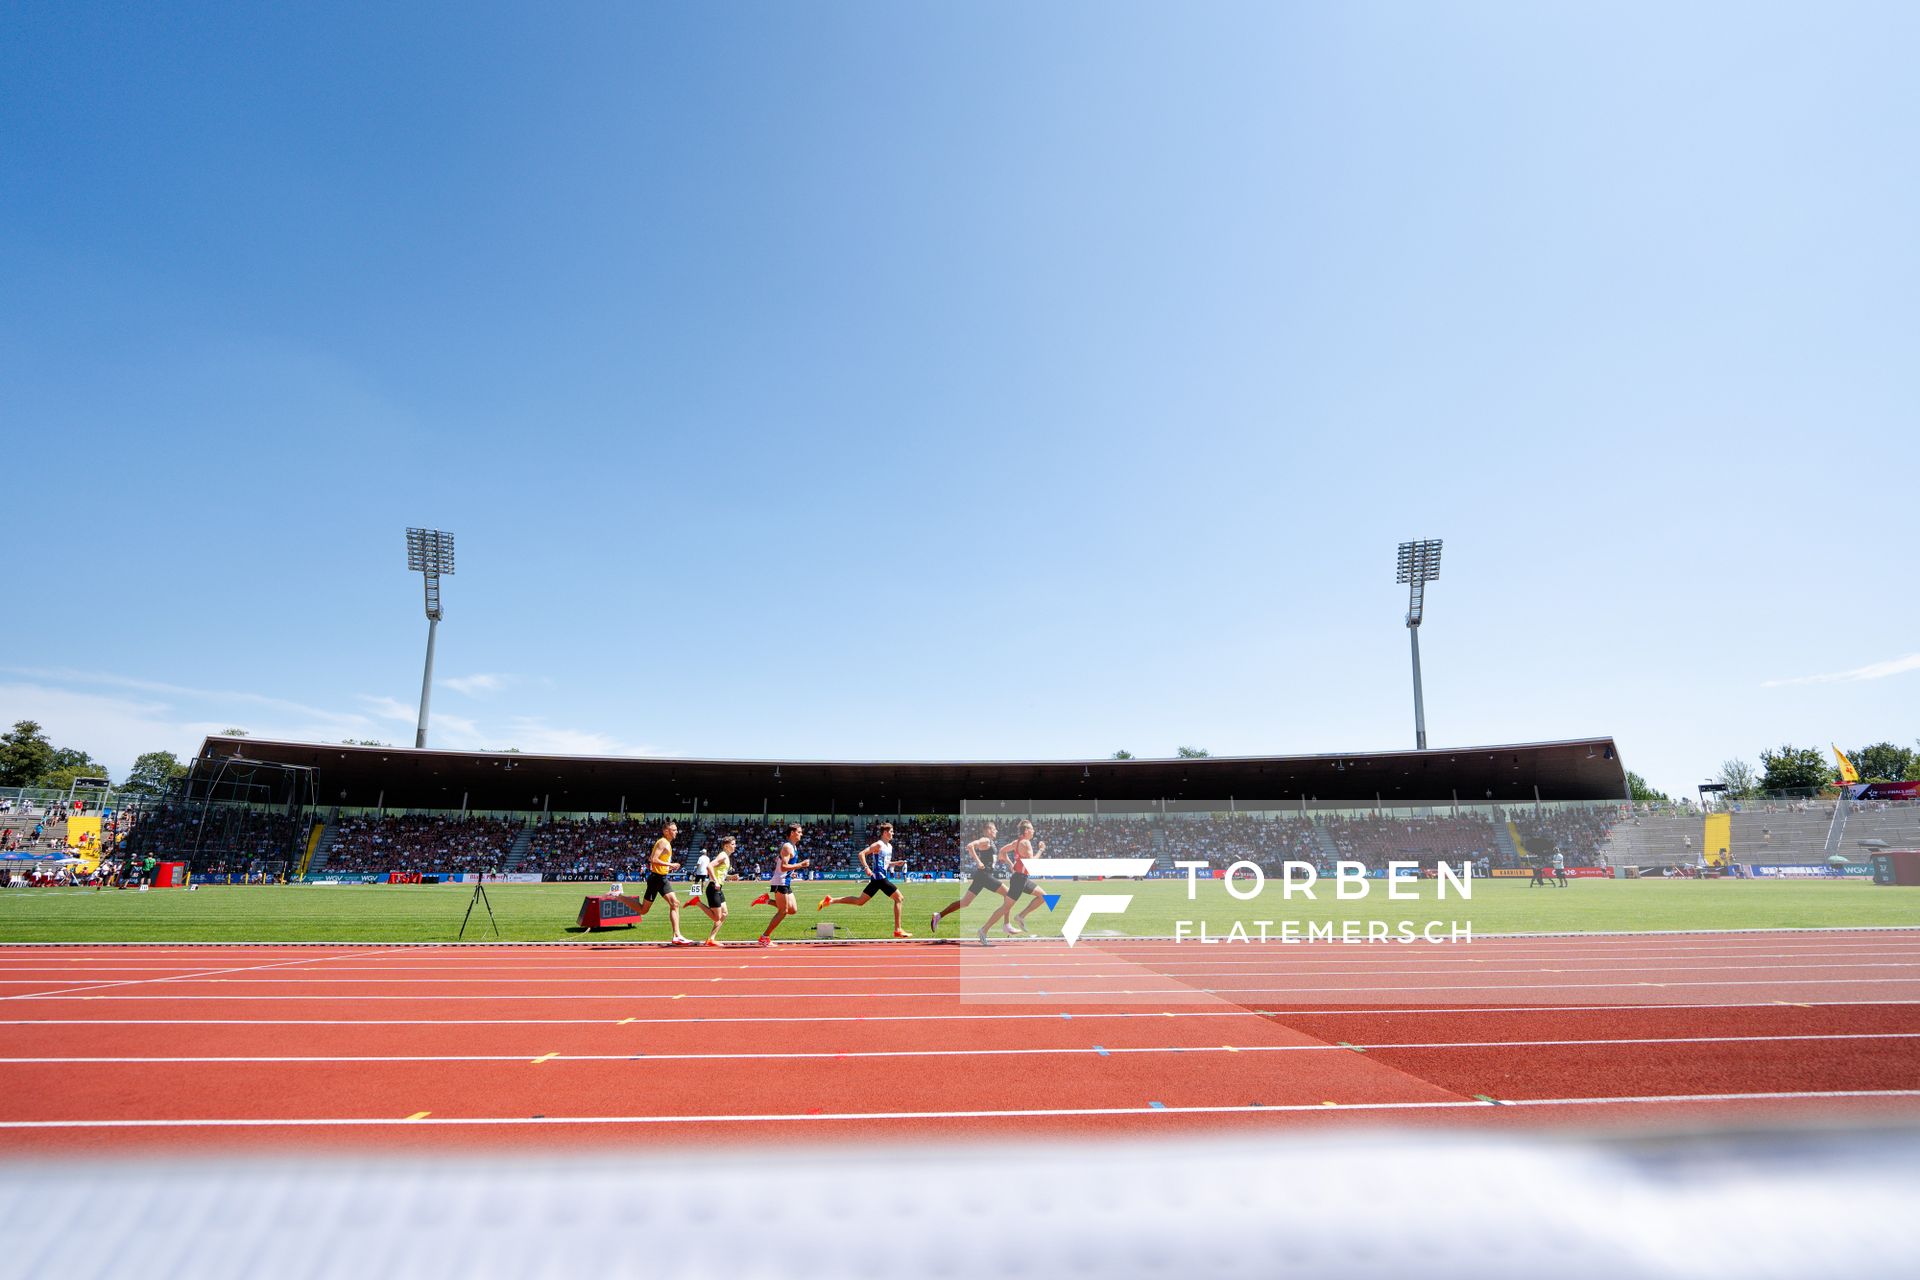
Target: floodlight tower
(429,552)
(1419,564)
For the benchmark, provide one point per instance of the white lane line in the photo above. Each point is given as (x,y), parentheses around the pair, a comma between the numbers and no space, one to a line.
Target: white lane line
(1179,980)
(1319,1108)
(966,992)
(644,1057)
(132,982)
(1621,937)
(1308,1011)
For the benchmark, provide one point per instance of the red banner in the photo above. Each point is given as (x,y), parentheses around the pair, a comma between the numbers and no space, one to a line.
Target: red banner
(403,877)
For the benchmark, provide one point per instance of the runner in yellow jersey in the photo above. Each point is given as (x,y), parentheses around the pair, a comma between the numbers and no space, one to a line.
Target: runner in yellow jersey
(712,872)
(660,865)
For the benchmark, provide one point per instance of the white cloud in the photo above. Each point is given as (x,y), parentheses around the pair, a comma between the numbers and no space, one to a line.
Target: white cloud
(478,683)
(532,734)
(1872,671)
(386,708)
(120,717)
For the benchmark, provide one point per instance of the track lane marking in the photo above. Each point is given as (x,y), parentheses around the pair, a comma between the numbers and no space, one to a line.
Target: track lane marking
(1016,995)
(254,1122)
(1102,1051)
(186,977)
(1309,1011)
(960,975)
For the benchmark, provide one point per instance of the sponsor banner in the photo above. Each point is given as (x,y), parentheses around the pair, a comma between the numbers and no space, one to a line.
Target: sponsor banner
(1813,871)
(496,877)
(1582,873)
(346,877)
(1886,791)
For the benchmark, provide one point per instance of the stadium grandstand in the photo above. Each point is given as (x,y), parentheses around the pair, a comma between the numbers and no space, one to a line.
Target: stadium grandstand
(261,810)
(332,811)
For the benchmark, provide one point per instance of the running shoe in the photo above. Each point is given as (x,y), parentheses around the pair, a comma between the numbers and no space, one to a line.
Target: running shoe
(901,933)
(765,941)
(825,903)
(711,942)
(935,926)
(982,935)
(1013,930)
(679,941)
(765,899)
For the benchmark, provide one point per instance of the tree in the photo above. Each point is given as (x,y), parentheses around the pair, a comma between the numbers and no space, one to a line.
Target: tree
(1123,755)
(1642,793)
(1190,753)
(1739,779)
(25,754)
(1882,762)
(153,773)
(62,775)
(1795,769)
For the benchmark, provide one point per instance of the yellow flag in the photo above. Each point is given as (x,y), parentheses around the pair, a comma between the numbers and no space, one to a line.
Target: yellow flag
(1847,772)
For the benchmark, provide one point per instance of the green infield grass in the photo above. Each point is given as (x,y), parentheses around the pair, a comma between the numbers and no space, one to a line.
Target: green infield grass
(546,912)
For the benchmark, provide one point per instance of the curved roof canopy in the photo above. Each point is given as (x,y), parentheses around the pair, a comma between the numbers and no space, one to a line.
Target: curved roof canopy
(1579,769)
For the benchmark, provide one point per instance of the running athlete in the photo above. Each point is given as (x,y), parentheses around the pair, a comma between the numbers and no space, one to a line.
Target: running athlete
(986,874)
(711,873)
(1016,855)
(660,865)
(876,860)
(785,863)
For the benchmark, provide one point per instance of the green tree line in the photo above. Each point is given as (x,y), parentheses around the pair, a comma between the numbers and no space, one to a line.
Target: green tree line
(29,759)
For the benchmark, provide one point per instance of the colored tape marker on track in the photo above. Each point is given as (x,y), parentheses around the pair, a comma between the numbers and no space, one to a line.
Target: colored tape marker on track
(545,1057)
(420,1115)
(1101,1050)
(1158,1106)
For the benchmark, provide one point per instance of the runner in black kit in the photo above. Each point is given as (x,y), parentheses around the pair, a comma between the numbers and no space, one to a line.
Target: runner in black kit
(660,865)
(876,860)
(708,896)
(985,871)
(1016,855)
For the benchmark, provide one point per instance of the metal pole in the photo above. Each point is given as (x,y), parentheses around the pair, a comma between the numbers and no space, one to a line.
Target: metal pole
(426,685)
(1419,703)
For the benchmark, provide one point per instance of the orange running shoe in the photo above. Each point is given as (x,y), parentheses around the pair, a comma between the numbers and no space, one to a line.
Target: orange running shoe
(711,942)
(901,933)
(765,941)
(825,903)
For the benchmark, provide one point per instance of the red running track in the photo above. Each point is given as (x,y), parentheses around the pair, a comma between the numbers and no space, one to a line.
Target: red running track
(116,1048)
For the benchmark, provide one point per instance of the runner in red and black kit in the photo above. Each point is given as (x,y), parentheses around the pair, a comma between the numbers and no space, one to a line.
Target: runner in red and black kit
(1016,855)
(985,870)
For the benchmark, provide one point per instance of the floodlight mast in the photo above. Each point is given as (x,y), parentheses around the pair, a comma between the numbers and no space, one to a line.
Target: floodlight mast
(1419,564)
(429,552)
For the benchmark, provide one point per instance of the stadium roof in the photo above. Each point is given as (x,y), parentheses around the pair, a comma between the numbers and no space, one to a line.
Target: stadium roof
(399,777)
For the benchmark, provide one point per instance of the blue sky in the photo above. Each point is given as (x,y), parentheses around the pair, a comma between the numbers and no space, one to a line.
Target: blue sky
(988,380)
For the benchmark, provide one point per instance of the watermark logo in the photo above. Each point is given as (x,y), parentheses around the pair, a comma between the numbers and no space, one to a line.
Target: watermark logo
(1088,905)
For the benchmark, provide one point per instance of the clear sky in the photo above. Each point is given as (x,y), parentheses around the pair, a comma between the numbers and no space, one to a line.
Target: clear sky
(899,380)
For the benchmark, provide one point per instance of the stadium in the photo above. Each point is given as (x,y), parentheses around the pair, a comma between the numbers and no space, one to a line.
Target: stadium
(367,953)
(944,755)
